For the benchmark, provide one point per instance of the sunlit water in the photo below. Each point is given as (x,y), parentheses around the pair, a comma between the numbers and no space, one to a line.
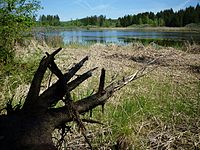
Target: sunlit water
(125,36)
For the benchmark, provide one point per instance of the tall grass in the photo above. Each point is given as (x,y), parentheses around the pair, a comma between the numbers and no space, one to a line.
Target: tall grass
(51,40)
(158,111)
(15,78)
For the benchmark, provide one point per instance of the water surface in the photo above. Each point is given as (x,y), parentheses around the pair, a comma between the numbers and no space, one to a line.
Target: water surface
(125,36)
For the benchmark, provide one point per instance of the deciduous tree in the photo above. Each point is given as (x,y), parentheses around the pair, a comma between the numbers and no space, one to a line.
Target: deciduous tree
(16,16)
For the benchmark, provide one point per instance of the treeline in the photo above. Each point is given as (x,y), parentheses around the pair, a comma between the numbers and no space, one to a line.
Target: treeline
(142,18)
(49,20)
(100,21)
(167,18)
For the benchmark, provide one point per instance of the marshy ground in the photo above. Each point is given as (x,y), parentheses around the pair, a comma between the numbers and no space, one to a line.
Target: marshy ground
(158,111)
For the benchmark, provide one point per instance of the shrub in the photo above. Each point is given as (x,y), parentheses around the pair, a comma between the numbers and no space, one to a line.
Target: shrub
(16,16)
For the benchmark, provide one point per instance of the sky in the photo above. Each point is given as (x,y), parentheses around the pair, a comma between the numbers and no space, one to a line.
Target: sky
(76,9)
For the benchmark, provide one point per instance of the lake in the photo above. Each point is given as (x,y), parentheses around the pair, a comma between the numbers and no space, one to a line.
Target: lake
(126,36)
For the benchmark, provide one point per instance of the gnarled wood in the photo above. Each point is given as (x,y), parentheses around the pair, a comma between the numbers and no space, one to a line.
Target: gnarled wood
(30,127)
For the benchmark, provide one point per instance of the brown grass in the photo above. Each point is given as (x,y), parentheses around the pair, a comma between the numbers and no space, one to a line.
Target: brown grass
(146,129)
(174,66)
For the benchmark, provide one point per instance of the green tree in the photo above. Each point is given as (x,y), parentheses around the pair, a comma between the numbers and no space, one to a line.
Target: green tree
(16,16)
(161,22)
(118,23)
(43,20)
(51,20)
(101,20)
(140,21)
(198,12)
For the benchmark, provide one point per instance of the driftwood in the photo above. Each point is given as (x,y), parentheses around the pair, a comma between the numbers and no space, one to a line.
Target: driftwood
(30,126)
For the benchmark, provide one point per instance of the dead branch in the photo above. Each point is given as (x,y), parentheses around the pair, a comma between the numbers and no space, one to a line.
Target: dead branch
(30,127)
(102,95)
(37,79)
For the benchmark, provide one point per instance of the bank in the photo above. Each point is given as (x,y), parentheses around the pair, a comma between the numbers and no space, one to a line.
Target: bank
(159,110)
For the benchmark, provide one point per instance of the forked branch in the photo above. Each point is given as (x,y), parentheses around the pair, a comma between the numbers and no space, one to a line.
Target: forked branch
(34,90)
(101,96)
(39,104)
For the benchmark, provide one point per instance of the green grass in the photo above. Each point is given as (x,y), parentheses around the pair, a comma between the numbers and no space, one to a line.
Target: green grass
(12,75)
(151,112)
(78,45)
(140,113)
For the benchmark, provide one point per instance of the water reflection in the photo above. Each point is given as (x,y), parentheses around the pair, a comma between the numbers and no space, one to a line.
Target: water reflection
(127,36)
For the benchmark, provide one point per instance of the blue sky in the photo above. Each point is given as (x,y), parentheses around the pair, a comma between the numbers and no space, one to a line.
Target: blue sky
(73,9)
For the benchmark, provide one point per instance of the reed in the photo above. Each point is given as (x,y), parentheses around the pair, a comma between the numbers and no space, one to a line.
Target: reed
(159,111)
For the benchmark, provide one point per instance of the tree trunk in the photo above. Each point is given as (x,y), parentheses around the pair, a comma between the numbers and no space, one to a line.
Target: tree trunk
(30,126)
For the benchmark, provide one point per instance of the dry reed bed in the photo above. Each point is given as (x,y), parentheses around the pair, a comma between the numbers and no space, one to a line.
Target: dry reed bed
(172,65)
(180,68)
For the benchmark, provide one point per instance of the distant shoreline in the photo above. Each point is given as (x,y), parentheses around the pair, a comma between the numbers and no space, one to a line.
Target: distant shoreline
(164,29)
(160,29)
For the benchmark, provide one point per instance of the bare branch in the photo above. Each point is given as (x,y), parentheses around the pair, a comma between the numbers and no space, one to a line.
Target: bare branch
(71,110)
(76,116)
(37,114)
(76,82)
(54,69)
(37,79)
(101,87)
(102,82)
(49,82)
(94,100)
(57,91)
(73,70)
(92,121)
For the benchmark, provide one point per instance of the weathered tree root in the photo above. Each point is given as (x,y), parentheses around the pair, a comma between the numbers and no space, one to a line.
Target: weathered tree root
(30,127)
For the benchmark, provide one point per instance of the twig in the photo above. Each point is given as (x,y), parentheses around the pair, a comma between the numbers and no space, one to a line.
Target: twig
(92,121)
(49,82)
(101,86)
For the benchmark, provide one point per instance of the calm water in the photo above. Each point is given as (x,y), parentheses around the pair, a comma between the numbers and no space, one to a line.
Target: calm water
(125,36)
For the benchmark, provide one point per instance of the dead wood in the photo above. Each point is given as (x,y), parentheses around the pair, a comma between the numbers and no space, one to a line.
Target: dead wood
(31,126)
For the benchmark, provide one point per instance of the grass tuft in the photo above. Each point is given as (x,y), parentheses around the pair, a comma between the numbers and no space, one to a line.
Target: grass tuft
(158,111)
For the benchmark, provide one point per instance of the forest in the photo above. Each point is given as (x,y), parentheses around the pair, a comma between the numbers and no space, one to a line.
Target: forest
(168,17)
(52,20)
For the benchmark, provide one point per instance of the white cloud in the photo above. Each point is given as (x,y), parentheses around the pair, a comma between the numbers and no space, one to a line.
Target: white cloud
(83,4)
(184,4)
(86,5)
(101,7)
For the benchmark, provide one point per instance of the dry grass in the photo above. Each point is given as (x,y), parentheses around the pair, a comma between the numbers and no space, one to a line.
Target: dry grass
(171,94)
(159,111)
